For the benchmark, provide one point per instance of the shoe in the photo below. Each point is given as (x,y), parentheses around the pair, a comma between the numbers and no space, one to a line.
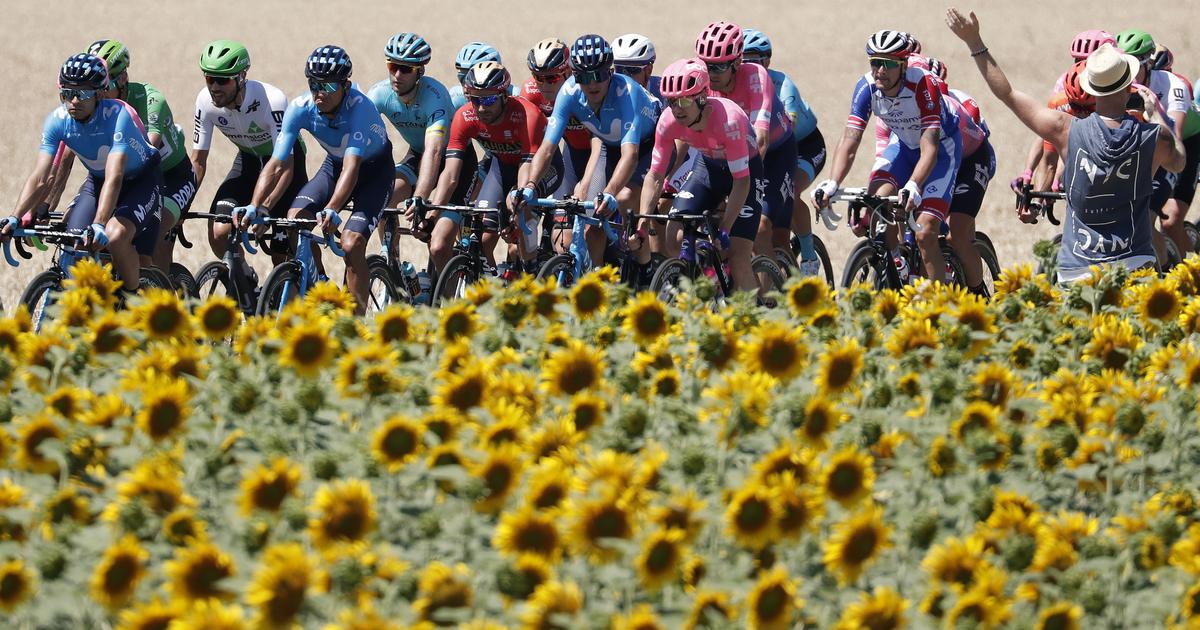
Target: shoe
(809,268)
(902,269)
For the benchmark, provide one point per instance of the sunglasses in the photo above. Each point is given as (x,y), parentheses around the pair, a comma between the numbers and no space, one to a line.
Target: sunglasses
(595,76)
(484,101)
(718,68)
(68,94)
(323,86)
(682,101)
(758,60)
(887,64)
(548,78)
(462,75)
(211,80)
(631,70)
(402,68)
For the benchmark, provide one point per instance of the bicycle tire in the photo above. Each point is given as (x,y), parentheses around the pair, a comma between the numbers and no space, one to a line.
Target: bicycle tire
(154,278)
(765,266)
(666,281)
(39,295)
(453,280)
(560,266)
(955,272)
(991,262)
(1174,256)
(858,267)
(822,255)
(279,288)
(213,279)
(787,260)
(183,280)
(382,288)
(1193,232)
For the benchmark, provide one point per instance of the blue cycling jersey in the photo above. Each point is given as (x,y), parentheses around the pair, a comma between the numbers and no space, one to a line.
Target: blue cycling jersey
(804,121)
(628,114)
(458,99)
(356,128)
(429,112)
(112,129)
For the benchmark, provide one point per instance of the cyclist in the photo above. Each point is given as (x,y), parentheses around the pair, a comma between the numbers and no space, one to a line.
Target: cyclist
(510,128)
(618,112)
(923,152)
(179,182)
(358,164)
(634,56)
(730,168)
(121,199)
(1108,218)
(1176,95)
(810,144)
(720,46)
(469,55)
(250,114)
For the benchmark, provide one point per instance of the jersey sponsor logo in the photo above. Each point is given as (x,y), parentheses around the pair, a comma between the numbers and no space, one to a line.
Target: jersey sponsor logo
(254,128)
(622,90)
(223,121)
(253,107)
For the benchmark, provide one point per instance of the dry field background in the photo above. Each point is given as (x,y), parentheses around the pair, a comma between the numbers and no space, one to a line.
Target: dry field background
(818,44)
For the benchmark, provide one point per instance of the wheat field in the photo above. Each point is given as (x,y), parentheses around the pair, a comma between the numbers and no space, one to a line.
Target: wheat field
(818,43)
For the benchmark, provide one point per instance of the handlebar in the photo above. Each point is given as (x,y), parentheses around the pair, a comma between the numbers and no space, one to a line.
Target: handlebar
(1026,198)
(306,225)
(61,237)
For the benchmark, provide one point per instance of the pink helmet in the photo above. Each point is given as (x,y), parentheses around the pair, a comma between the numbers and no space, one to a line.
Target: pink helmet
(686,77)
(719,42)
(1090,40)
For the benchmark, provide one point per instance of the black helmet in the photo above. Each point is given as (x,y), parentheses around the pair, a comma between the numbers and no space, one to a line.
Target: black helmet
(329,63)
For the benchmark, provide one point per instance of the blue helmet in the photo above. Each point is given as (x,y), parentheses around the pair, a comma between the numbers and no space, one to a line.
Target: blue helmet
(590,53)
(474,53)
(84,69)
(408,48)
(329,63)
(755,43)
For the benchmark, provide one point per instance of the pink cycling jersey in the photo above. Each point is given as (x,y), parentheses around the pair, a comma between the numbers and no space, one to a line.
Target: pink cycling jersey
(726,136)
(754,91)
(970,120)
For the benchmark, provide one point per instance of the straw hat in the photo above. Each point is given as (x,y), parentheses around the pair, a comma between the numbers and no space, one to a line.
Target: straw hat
(1109,71)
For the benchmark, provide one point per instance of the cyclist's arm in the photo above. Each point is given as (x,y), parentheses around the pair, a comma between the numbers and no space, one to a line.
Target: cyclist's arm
(60,172)
(590,169)
(289,134)
(930,139)
(843,155)
(114,172)
(1034,157)
(448,181)
(283,181)
(199,160)
(1168,151)
(665,140)
(760,109)
(651,190)
(431,163)
(735,201)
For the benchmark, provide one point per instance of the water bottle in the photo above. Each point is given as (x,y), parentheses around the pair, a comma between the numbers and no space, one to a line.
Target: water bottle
(409,273)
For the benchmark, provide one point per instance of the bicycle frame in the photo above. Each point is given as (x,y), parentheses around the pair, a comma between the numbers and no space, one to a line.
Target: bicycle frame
(309,272)
(697,246)
(66,254)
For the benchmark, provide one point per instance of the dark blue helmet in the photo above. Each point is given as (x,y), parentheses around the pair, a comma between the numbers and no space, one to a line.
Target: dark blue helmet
(84,69)
(590,53)
(329,63)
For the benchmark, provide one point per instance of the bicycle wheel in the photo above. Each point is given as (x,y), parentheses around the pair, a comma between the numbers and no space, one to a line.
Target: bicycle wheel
(667,281)
(955,273)
(787,260)
(1193,233)
(39,295)
(991,263)
(213,279)
(382,288)
(183,281)
(822,255)
(560,266)
(770,276)
(453,281)
(1174,256)
(858,267)
(281,286)
(154,278)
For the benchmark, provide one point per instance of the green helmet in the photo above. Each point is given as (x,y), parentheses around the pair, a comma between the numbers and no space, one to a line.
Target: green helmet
(113,52)
(224,58)
(1136,43)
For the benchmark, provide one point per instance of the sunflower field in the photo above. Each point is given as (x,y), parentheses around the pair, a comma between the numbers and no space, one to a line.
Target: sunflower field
(535,457)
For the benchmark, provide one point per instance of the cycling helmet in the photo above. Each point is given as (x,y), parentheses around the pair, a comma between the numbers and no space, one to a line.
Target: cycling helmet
(548,55)
(1076,96)
(474,53)
(1163,59)
(633,49)
(686,77)
(1088,41)
(590,53)
(113,52)
(85,70)
(329,63)
(1136,43)
(488,77)
(888,43)
(913,45)
(408,48)
(224,58)
(937,67)
(719,42)
(755,43)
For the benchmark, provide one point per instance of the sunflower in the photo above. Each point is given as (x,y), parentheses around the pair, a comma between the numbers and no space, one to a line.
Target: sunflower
(942,460)
(278,590)
(883,609)
(682,512)
(181,528)
(196,572)
(440,587)
(396,443)
(97,277)
(446,455)
(458,321)
(1159,301)
(218,317)
(646,318)
(642,618)
(840,364)
(976,416)
(742,399)
(551,602)
(552,438)
(995,384)
(955,562)
(11,336)
(307,349)
(821,419)
(709,609)
(1189,316)
(499,472)
(266,487)
(773,602)
(775,350)
(162,316)
(544,297)
(345,512)
(17,584)
(394,325)
(807,295)
(595,522)
(587,411)
(1113,342)
(661,556)
(118,573)
(30,437)
(1191,602)
(528,532)
(164,409)
(849,477)
(800,509)
(855,543)
(978,610)
(588,296)
(573,369)
(788,457)
(366,618)
(67,504)
(104,411)
(910,335)
(1060,616)
(752,515)
(550,484)
(465,389)
(153,615)
(665,383)
(327,298)
(76,307)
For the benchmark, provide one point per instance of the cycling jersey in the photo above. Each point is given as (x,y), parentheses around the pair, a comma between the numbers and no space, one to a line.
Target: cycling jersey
(627,115)
(252,127)
(654,87)
(726,136)
(576,135)
(356,128)
(458,98)
(804,121)
(112,128)
(512,139)
(970,121)
(1172,91)
(917,107)
(754,92)
(152,108)
(429,111)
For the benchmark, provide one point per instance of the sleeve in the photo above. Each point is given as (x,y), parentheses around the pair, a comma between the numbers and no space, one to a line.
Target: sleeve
(362,117)
(762,93)
(929,103)
(789,95)
(202,126)
(439,120)
(460,134)
(289,132)
(1179,97)
(279,105)
(737,147)
(630,112)
(379,96)
(860,105)
(561,114)
(51,133)
(665,134)
(535,128)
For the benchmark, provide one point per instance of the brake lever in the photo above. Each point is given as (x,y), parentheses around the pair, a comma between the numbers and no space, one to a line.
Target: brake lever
(830,218)
(8,254)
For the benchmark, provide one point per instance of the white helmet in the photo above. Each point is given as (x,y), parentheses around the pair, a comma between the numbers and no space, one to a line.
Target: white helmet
(633,48)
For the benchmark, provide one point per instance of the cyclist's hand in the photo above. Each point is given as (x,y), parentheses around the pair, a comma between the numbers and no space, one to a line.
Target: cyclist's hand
(1149,101)
(408,206)
(723,239)
(1019,182)
(965,28)
(327,218)
(606,205)
(861,226)
(824,192)
(7,226)
(1027,214)
(95,237)
(243,216)
(910,198)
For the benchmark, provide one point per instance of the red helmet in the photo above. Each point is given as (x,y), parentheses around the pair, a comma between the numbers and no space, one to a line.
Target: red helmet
(1076,97)
(1090,40)
(686,77)
(719,42)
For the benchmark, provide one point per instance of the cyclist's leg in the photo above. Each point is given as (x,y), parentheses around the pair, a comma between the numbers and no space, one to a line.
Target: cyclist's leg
(491,194)
(810,154)
(574,163)
(528,229)
(779,174)
(406,179)
(1162,188)
(594,236)
(745,227)
(935,205)
(82,211)
(286,202)
(372,192)
(133,228)
(236,190)
(311,199)
(179,188)
(970,185)
(891,169)
(697,196)
(1176,208)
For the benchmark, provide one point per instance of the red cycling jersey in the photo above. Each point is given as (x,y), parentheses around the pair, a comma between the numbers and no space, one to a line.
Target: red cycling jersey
(512,139)
(576,135)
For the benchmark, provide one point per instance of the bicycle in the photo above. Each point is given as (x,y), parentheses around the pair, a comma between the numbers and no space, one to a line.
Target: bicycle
(69,249)
(181,277)
(405,284)
(569,266)
(871,259)
(700,255)
(468,264)
(293,278)
(232,275)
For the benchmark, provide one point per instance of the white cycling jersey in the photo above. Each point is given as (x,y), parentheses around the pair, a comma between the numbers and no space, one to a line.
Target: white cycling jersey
(253,127)
(1172,91)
